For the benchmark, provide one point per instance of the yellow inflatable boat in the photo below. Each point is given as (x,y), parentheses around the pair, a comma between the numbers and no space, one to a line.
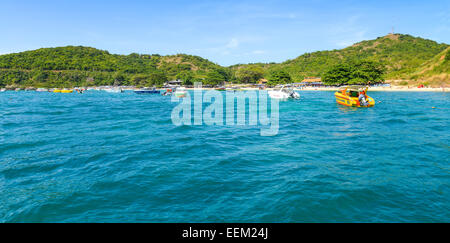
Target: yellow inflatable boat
(350,96)
(62,91)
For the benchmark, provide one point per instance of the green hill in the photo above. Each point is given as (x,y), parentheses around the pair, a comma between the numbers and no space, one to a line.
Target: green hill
(77,66)
(405,58)
(434,72)
(402,55)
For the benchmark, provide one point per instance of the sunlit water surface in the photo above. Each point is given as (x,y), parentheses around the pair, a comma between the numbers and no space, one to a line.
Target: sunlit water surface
(101,157)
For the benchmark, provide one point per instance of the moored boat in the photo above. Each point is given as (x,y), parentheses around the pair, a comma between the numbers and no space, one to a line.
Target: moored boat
(2,90)
(147,91)
(233,89)
(354,96)
(180,92)
(114,90)
(64,91)
(41,90)
(283,93)
(167,92)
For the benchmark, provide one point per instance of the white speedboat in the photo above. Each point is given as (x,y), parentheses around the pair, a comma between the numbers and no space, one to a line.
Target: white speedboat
(180,92)
(114,90)
(2,90)
(41,90)
(283,93)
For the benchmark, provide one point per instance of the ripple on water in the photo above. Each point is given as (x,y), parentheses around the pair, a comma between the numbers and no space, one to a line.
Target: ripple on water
(101,157)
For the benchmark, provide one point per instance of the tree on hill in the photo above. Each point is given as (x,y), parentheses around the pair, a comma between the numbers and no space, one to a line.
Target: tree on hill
(359,72)
(338,75)
(214,78)
(153,79)
(140,79)
(119,79)
(365,72)
(186,77)
(250,74)
(279,77)
(39,76)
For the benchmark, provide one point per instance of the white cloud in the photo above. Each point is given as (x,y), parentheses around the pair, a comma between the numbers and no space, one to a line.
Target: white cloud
(258,52)
(233,43)
(351,38)
(348,31)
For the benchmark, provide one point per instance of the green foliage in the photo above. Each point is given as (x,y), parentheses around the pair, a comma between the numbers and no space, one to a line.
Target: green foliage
(214,77)
(76,66)
(249,74)
(338,75)
(402,55)
(359,72)
(156,79)
(367,72)
(119,79)
(279,77)
(436,69)
(186,77)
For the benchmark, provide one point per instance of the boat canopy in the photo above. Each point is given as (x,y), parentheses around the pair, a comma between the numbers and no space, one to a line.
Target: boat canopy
(357,88)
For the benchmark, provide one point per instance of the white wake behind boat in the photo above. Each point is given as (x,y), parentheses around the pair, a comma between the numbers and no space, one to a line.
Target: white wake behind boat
(114,90)
(180,92)
(283,93)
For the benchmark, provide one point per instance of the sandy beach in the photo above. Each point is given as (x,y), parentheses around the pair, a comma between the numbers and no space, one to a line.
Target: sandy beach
(385,89)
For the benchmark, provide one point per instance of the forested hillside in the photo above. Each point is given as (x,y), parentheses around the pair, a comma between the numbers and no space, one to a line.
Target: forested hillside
(435,72)
(402,57)
(80,66)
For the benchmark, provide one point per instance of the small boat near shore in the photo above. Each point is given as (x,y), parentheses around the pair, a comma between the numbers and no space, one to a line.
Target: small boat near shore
(354,96)
(167,92)
(147,91)
(114,90)
(283,93)
(63,91)
(41,90)
(180,92)
(2,90)
(233,89)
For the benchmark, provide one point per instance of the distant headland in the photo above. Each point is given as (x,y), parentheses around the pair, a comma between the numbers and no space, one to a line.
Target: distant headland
(400,59)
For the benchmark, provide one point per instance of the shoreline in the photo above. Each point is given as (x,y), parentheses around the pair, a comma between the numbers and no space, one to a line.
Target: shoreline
(374,89)
(387,89)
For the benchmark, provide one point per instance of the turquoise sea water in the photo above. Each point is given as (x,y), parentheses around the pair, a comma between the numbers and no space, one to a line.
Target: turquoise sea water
(102,157)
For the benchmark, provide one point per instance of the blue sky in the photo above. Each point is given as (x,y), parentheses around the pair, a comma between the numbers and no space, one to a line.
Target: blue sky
(226,32)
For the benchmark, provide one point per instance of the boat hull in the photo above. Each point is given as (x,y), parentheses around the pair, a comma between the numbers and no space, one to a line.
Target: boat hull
(283,95)
(147,92)
(352,101)
(113,90)
(180,94)
(63,91)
